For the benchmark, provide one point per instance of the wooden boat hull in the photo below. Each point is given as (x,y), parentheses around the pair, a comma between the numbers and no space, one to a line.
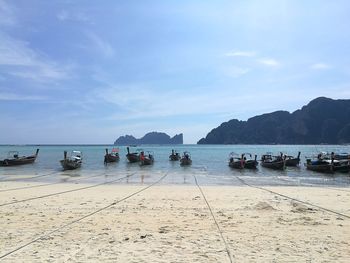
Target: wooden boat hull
(328,166)
(251,164)
(174,157)
(275,165)
(321,168)
(184,161)
(133,157)
(20,161)
(241,162)
(341,167)
(109,158)
(146,161)
(236,164)
(292,162)
(70,164)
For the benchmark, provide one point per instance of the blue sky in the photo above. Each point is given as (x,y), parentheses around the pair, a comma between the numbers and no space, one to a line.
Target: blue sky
(90,71)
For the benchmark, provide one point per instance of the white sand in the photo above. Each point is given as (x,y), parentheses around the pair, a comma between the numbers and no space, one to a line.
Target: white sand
(173,224)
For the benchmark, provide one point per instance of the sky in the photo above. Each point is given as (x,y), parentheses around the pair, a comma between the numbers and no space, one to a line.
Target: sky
(87,72)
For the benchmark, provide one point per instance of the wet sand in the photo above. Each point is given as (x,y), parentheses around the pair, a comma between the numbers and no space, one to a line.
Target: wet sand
(172,223)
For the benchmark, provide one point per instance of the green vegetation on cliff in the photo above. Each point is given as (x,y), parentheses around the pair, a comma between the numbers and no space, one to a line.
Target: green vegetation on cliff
(323,120)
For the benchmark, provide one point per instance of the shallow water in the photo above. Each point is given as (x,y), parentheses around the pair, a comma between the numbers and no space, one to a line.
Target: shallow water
(210,165)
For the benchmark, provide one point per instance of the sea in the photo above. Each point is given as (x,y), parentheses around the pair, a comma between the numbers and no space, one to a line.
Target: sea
(209,165)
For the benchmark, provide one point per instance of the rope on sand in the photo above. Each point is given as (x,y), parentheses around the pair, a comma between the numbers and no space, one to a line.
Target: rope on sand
(83,217)
(292,198)
(64,192)
(216,222)
(40,185)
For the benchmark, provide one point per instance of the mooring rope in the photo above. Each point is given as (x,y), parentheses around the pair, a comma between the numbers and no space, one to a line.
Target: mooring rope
(46,184)
(216,222)
(81,218)
(64,192)
(293,199)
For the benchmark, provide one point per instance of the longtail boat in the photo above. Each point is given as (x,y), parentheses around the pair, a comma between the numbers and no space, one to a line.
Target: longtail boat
(328,163)
(133,157)
(186,159)
(273,162)
(250,163)
(236,161)
(174,156)
(293,161)
(111,157)
(73,161)
(14,159)
(146,159)
(244,161)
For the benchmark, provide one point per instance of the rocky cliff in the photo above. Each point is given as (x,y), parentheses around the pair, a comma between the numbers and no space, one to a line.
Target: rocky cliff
(323,120)
(150,138)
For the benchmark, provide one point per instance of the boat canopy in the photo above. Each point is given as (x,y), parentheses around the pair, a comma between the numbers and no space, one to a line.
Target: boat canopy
(11,154)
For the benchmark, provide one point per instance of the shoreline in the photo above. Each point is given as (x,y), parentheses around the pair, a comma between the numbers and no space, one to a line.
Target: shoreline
(172,223)
(113,180)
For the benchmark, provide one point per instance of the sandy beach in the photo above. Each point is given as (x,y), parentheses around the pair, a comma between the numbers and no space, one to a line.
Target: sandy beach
(172,223)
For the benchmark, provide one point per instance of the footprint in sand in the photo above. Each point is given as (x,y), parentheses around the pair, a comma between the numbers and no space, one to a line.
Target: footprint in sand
(164,230)
(300,208)
(264,206)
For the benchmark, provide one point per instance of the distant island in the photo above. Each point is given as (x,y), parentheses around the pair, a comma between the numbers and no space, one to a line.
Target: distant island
(150,138)
(322,121)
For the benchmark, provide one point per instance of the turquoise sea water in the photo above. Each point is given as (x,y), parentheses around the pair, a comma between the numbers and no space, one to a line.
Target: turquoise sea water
(210,165)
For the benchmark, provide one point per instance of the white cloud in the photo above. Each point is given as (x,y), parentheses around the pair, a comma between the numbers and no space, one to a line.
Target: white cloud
(270,62)
(320,66)
(149,103)
(64,15)
(19,97)
(240,54)
(14,52)
(22,61)
(42,74)
(236,72)
(18,59)
(101,45)
(7,17)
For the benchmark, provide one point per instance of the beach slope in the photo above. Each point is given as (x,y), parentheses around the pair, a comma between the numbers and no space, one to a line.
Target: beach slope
(172,223)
